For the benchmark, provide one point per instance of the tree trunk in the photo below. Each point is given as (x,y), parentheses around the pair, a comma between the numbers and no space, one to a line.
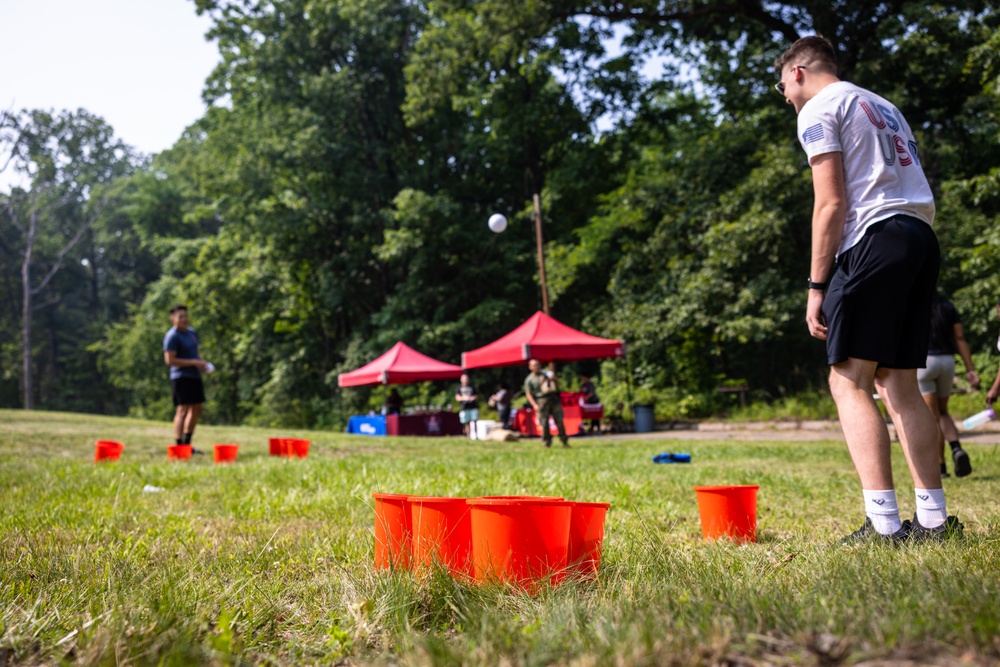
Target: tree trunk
(29,400)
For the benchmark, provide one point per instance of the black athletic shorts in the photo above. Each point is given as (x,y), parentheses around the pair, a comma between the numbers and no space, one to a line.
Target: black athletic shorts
(878,306)
(188,391)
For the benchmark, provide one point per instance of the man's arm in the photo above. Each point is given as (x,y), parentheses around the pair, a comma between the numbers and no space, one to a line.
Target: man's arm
(829,217)
(966,354)
(991,395)
(170,359)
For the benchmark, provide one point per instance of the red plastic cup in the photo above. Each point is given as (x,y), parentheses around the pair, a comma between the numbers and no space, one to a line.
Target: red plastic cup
(107,450)
(728,511)
(393,531)
(178,452)
(586,534)
(442,534)
(225,453)
(522,541)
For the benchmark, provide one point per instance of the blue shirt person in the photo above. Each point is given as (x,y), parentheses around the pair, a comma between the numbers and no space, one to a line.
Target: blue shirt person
(181,355)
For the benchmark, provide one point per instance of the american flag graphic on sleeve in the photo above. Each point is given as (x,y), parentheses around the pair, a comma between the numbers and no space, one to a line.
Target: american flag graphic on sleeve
(812,133)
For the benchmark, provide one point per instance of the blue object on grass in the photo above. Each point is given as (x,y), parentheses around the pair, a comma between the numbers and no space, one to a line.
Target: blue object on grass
(670,457)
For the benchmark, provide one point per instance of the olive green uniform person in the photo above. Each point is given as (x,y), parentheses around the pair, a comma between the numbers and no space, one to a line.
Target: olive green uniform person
(542,391)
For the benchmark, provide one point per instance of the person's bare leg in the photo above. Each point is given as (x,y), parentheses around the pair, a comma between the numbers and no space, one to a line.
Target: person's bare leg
(931,401)
(194,412)
(863,425)
(179,416)
(945,422)
(916,426)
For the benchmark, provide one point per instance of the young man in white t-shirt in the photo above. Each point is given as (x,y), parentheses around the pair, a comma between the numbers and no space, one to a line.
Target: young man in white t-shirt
(874,267)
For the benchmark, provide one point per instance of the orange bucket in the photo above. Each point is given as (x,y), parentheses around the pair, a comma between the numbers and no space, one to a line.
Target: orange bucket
(225,453)
(393,531)
(299,448)
(586,533)
(521,541)
(728,511)
(276,446)
(107,450)
(520,498)
(178,452)
(442,533)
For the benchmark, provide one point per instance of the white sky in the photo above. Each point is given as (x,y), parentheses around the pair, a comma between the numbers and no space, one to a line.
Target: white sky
(139,64)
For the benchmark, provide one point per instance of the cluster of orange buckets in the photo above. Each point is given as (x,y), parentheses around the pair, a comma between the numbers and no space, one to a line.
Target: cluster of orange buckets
(517,539)
(288,447)
(108,450)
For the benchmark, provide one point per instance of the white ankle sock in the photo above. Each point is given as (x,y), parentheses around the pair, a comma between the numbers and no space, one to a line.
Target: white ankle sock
(881,508)
(931,511)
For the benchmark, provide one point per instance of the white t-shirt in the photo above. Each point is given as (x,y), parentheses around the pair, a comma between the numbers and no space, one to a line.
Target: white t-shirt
(882,172)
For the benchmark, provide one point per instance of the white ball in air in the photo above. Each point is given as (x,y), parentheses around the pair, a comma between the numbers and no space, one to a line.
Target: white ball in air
(498,222)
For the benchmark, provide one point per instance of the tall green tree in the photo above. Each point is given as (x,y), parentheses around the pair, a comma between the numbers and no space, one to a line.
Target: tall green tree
(70,164)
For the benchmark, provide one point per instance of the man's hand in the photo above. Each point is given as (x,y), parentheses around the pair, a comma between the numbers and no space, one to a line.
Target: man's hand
(814,315)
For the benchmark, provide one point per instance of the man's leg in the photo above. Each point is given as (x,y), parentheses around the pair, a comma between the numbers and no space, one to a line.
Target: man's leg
(544,410)
(191,421)
(918,434)
(863,425)
(180,414)
(868,442)
(931,401)
(963,466)
(557,412)
(916,426)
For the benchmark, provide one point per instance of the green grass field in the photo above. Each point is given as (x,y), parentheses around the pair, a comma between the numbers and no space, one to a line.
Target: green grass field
(269,561)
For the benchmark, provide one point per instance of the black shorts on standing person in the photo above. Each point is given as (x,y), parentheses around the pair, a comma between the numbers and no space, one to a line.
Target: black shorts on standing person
(187,391)
(899,255)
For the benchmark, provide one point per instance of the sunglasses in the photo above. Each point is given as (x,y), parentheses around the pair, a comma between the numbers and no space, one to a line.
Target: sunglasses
(780,87)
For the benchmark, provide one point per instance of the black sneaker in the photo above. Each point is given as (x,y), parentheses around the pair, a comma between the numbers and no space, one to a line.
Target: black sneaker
(963,466)
(867,534)
(566,444)
(548,444)
(195,450)
(951,527)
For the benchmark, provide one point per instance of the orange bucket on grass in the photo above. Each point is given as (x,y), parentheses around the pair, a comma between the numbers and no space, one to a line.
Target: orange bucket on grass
(520,498)
(393,531)
(178,452)
(586,533)
(294,447)
(107,450)
(520,541)
(442,533)
(728,511)
(225,453)
(276,446)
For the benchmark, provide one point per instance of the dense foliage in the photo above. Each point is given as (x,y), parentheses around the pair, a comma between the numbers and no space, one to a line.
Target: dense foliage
(334,198)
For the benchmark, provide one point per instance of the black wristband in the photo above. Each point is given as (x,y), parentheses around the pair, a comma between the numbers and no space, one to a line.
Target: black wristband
(819,286)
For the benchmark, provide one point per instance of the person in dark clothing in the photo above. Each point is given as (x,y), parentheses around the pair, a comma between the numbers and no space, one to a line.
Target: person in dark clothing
(937,377)
(501,401)
(393,402)
(590,397)
(181,355)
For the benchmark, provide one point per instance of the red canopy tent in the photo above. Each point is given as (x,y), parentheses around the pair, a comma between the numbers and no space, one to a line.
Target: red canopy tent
(400,365)
(546,339)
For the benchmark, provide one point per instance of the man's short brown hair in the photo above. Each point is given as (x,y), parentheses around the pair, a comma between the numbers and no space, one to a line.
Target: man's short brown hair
(814,50)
